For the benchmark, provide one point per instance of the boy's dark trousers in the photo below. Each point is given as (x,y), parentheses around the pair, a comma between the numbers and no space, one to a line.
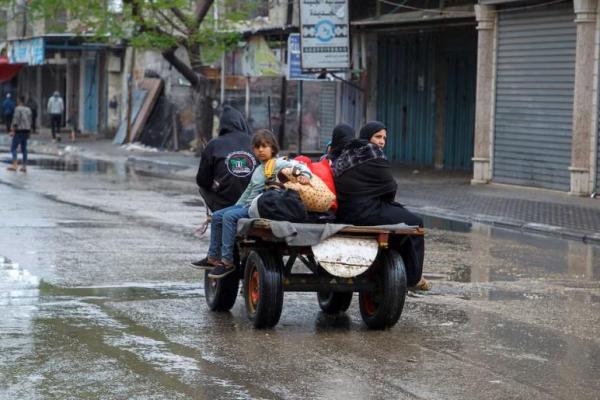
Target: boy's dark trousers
(20,139)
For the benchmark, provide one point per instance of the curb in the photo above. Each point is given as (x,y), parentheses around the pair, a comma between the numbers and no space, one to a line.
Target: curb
(507,223)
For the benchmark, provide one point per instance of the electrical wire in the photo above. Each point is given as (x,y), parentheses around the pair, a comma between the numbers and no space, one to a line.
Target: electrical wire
(430,10)
(548,3)
(442,11)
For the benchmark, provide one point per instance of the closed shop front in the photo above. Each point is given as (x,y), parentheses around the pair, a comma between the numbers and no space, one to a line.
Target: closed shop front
(534,96)
(406,101)
(598,161)
(426,96)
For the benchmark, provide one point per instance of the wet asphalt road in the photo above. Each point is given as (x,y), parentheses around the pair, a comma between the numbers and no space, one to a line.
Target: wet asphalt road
(97,302)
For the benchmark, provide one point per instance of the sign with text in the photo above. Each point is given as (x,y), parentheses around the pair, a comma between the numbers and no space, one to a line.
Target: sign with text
(324,34)
(294,70)
(30,51)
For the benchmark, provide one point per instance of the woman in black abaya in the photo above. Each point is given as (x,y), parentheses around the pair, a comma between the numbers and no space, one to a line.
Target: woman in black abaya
(366,192)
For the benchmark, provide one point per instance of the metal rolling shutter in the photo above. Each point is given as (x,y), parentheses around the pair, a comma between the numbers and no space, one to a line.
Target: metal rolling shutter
(327,110)
(597,190)
(534,97)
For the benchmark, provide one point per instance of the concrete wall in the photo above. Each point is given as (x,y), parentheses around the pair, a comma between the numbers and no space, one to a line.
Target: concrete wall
(115,89)
(278,12)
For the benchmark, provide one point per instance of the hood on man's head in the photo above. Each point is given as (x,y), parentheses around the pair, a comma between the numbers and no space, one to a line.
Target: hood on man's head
(232,121)
(342,135)
(371,128)
(56,94)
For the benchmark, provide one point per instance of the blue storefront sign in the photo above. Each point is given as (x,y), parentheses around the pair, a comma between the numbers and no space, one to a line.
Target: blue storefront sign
(29,51)
(295,59)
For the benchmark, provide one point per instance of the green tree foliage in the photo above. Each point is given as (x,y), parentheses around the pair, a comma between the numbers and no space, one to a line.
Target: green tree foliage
(161,25)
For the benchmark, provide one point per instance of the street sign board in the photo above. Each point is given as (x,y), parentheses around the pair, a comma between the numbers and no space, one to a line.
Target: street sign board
(294,71)
(30,51)
(325,34)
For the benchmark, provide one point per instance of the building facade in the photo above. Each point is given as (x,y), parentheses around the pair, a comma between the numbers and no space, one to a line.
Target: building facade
(56,60)
(505,88)
(537,94)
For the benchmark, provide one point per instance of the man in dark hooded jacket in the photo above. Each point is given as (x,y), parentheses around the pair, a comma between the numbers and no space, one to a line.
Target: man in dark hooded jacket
(226,165)
(227,162)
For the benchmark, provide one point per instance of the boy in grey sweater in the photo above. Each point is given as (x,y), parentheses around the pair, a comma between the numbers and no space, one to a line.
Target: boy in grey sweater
(21,126)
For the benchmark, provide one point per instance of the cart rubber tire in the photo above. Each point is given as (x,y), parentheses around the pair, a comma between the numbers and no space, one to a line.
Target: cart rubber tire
(263,289)
(381,308)
(221,293)
(334,302)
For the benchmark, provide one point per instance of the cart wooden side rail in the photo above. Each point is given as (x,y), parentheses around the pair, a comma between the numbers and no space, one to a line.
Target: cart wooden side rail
(372,261)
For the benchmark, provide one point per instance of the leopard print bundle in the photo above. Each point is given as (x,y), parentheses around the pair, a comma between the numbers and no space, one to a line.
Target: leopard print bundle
(316,196)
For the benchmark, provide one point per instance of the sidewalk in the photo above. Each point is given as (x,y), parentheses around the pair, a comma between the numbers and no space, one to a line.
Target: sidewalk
(441,194)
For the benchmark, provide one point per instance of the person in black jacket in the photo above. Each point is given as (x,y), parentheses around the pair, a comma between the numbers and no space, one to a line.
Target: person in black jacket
(226,165)
(366,192)
(227,162)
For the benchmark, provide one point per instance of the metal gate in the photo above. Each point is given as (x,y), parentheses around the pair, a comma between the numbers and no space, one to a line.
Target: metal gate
(597,190)
(534,97)
(406,96)
(459,119)
(351,104)
(327,103)
(90,95)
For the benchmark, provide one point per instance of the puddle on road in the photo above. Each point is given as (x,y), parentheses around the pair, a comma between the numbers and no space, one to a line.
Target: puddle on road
(431,222)
(79,164)
(464,252)
(127,291)
(91,166)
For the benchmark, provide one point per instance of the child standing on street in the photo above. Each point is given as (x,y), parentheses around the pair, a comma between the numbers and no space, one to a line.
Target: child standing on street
(224,222)
(20,133)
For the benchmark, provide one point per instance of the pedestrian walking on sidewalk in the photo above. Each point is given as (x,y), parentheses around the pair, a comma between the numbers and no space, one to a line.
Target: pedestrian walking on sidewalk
(20,133)
(33,107)
(8,109)
(55,109)
(226,165)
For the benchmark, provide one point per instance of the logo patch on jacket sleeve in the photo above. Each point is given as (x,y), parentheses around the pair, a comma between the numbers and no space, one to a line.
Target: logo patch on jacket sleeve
(240,163)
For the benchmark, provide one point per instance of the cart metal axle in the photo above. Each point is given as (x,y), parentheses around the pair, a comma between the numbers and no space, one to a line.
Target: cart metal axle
(315,283)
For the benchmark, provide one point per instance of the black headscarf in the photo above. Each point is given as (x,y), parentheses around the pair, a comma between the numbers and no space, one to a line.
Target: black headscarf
(342,135)
(371,128)
(232,121)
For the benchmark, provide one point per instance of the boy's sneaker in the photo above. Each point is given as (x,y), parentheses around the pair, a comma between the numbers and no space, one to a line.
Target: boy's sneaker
(205,263)
(221,271)
(201,264)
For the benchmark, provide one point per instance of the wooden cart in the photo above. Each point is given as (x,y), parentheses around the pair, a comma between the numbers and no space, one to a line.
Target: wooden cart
(367,260)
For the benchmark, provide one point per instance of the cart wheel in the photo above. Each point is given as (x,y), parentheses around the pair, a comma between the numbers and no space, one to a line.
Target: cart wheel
(334,302)
(263,289)
(381,308)
(221,293)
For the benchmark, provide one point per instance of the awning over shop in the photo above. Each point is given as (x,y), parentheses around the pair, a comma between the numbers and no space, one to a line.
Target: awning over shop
(420,16)
(7,70)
